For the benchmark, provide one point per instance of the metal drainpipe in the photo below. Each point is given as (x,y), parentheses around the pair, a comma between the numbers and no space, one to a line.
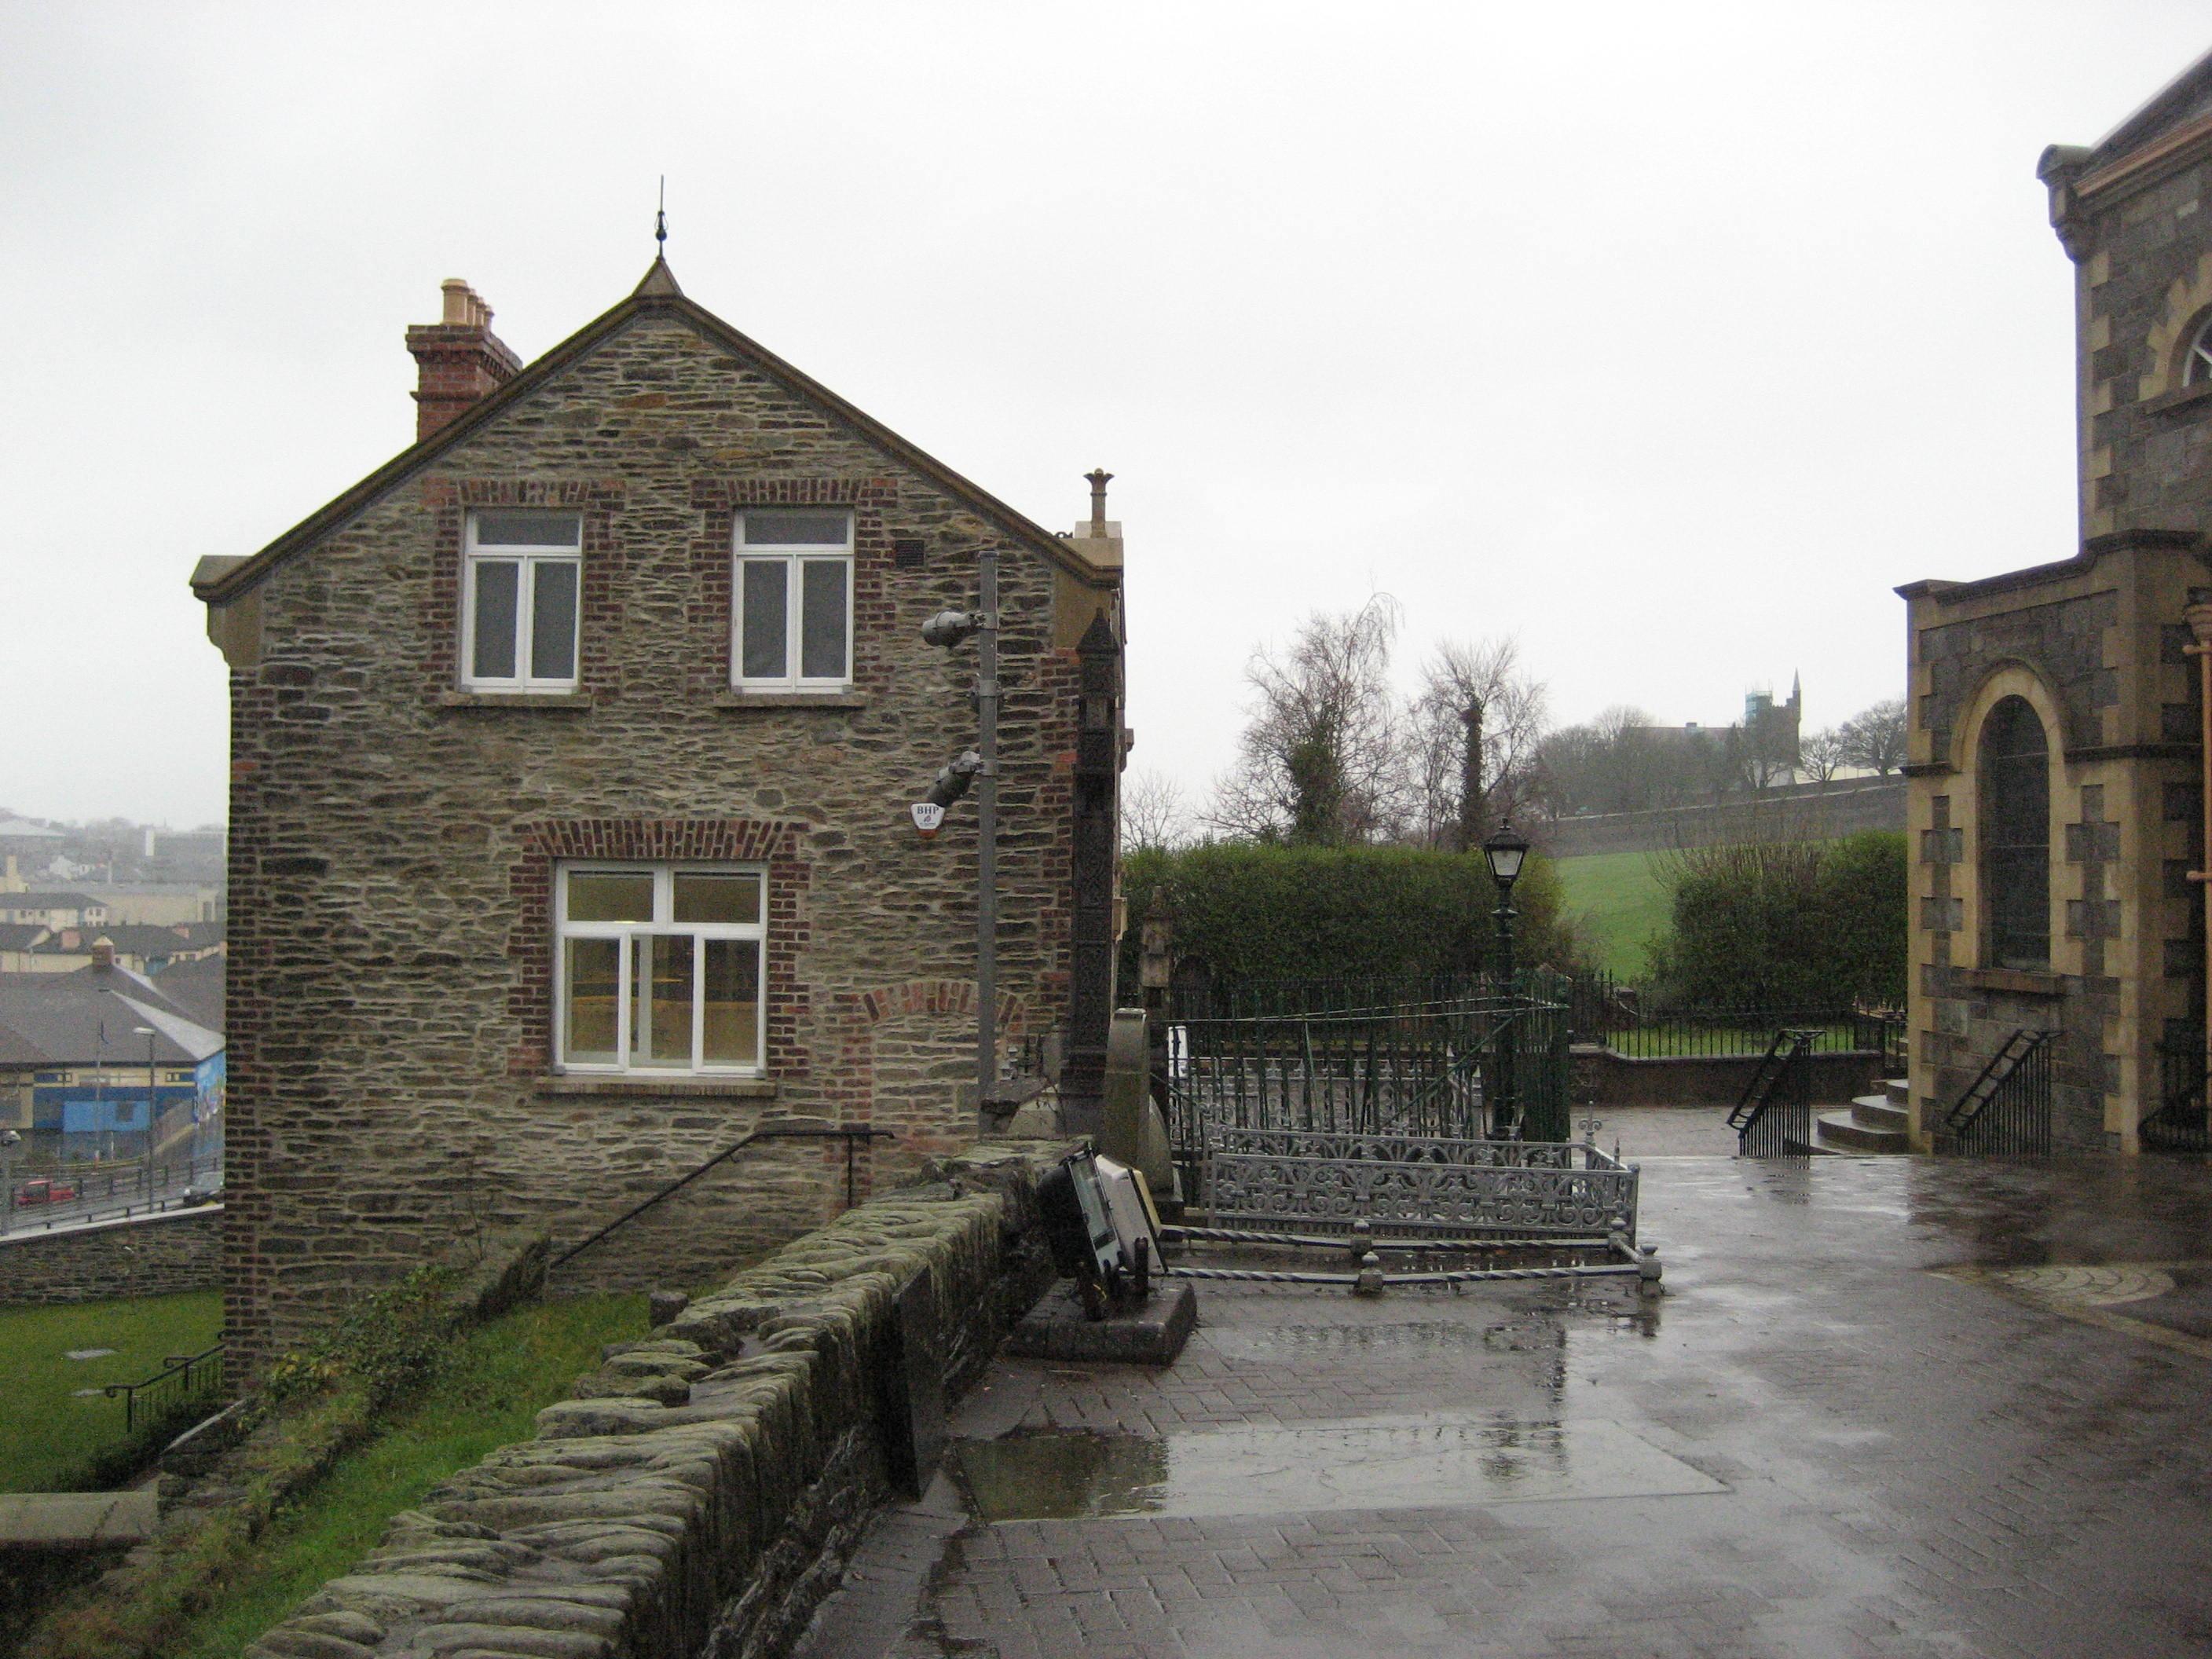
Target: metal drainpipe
(2199,618)
(986,844)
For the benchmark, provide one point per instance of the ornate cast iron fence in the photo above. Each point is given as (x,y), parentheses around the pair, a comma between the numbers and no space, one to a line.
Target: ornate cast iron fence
(1422,1069)
(1414,1186)
(185,1381)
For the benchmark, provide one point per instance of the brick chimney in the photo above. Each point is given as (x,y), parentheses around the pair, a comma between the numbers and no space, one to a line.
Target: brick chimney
(103,952)
(461,360)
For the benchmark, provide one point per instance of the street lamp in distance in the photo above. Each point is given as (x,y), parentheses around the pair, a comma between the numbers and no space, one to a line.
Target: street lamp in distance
(146,1165)
(1504,852)
(9,1141)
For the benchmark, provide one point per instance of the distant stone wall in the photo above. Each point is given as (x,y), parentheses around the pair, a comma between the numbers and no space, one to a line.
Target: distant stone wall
(1808,813)
(704,1490)
(143,1256)
(1609,1079)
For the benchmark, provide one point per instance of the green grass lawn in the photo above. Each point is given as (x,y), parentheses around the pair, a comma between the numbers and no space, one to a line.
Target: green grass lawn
(1619,897)
(49,1433)
(503,1375)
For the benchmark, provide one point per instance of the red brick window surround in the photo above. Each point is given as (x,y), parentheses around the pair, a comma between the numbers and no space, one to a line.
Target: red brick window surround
(450,501)
(708,843)
(871,502)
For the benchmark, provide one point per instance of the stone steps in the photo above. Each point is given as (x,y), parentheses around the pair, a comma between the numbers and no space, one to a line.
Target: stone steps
(1875,1126)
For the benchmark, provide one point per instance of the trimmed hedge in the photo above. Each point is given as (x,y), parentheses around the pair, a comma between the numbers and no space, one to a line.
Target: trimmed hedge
(1786,924)
(1252,912)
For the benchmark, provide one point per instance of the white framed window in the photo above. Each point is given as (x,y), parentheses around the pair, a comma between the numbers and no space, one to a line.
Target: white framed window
(792,605)
(521,574)
(2196,361)
(660,968)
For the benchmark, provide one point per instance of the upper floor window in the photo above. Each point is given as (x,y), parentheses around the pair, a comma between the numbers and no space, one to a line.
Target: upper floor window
(2196,361)
(659,967)
(792,626)
(519,606)
(2014,785)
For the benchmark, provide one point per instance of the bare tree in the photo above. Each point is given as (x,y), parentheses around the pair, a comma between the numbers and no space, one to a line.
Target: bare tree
(1474,697)
(1320,757)
(1154,814)
(1821,756)
(1875,738)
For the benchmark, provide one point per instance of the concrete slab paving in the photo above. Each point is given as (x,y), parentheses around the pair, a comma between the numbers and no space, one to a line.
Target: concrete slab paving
(1902,1451)
(84,1520)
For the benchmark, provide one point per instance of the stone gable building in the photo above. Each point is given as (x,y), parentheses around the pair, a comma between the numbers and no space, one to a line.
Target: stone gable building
(2056,795)
(571,755)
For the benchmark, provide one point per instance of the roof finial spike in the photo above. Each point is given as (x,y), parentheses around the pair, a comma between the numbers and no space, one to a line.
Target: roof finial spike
(660,221)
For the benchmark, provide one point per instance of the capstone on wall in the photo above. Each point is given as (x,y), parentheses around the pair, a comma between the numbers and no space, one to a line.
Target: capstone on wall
(393,839)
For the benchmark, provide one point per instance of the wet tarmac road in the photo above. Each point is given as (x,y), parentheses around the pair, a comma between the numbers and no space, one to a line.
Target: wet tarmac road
(1895,1406)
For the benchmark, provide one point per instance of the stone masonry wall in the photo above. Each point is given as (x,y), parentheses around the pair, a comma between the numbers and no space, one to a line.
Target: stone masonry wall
(393,840)
(2144,281)
(1814,812)
(2095,648)
(703,1491)
(145,1256)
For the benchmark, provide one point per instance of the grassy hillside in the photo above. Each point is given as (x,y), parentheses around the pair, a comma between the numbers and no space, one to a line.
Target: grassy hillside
(1618,898)
(55,1422)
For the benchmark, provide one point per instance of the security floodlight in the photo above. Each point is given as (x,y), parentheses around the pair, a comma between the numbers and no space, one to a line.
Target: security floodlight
(953,779)
(949,628)
(1506,850)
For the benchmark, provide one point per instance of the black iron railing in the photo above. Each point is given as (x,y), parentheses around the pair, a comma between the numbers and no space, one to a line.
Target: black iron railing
(2179,1123)
(1774,1117)
(849,1134)
(1637,1025)
(185,1381)
(2006,1111)
(1745,1033)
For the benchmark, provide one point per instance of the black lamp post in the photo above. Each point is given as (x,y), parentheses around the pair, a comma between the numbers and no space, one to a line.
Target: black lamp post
(1504,852)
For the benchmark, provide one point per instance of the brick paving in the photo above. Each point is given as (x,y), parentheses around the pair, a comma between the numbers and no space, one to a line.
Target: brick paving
(1921,1455)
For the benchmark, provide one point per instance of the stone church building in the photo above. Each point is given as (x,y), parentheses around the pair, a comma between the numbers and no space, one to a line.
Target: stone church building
(2057,786)
(572,754)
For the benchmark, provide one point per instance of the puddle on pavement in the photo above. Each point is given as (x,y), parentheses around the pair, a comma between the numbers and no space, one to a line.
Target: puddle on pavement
(1364,1464)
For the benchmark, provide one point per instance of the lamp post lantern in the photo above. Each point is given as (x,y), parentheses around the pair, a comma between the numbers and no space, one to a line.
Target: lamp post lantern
(1504,852)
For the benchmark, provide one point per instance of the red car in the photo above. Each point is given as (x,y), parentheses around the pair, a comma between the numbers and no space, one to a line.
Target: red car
(43,1191)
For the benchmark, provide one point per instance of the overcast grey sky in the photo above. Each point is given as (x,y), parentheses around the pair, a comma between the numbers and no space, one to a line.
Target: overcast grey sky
(1667,337)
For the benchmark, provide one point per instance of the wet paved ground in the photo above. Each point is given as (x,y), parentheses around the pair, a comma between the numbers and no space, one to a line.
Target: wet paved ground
(1879,1412)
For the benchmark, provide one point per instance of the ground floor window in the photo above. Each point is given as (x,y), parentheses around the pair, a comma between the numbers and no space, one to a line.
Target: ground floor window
(659,967)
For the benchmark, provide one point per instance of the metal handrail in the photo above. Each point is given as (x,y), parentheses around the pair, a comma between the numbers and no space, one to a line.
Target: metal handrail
(2001,1068)
(175,1366)
(1783,1085)
(848,1133)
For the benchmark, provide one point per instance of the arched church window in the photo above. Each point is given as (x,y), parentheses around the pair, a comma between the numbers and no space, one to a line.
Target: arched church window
(2196,361)
(2014,787)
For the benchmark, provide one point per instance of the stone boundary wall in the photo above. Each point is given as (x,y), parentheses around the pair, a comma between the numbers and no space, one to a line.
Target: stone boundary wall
(134,1255)
(1606,1079)
(1804,812)
(704,1490)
